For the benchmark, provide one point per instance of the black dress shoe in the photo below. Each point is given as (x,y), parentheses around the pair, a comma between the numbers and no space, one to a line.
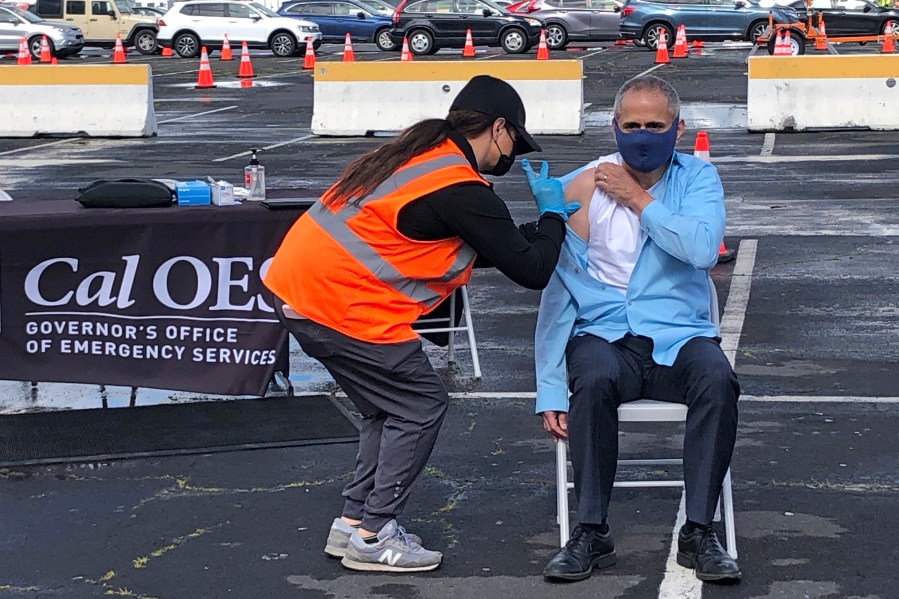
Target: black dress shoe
(585,551)
(701,550)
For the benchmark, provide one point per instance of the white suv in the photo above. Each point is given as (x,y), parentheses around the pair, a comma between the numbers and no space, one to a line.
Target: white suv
(189,25)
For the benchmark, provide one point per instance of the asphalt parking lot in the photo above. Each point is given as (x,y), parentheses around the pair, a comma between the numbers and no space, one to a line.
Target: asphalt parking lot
(811,313)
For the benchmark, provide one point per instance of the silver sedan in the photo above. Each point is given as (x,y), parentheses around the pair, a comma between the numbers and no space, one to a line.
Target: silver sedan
(596,22)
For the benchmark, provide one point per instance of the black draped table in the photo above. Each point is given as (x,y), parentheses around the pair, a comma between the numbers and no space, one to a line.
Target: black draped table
(166,298)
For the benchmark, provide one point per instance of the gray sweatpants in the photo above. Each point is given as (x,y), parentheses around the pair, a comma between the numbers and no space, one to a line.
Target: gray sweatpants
(403,403)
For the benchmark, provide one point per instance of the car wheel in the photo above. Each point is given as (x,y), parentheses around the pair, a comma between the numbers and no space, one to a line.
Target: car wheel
(186,45)
(651,35)
(421,42)
(283,44)
(145,41)
(383,41)
(34,46)
(514,41)
(757,30)
(892,23)
(556,36)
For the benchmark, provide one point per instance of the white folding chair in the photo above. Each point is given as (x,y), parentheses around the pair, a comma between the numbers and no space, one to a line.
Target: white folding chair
(465,325)
(648,410)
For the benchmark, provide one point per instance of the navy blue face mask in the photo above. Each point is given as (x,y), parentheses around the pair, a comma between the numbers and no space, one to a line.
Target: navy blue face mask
(644,150)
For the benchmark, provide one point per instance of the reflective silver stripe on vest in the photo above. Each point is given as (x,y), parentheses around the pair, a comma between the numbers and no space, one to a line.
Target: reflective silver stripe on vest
(418,291)
(411,173)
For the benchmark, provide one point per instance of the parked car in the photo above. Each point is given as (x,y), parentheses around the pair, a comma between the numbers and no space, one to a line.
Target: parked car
(15,23)
(188,26)
(433,24)
(100,21)
(705,20)
(851,18)
(336,18)
(564,25)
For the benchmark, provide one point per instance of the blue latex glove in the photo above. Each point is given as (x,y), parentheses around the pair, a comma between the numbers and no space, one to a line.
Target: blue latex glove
(548,191)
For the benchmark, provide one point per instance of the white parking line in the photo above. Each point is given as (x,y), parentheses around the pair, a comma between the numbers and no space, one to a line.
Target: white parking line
(844,399)
(806,158)
(650,70)
(679,582)
(767,145)
(190,116)
(586,56)
(271,147)
(155,76)
(29,148)
(738,299)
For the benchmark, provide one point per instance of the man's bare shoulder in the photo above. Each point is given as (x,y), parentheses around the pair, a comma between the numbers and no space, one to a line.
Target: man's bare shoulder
(581,187)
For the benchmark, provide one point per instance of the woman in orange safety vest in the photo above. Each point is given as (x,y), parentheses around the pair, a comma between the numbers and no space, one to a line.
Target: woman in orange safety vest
(396,235)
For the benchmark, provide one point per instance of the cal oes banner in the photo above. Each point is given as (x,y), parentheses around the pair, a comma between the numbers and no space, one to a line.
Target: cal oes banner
(168,298)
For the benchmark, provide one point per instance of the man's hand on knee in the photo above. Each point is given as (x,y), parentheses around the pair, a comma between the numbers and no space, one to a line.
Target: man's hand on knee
(556,424)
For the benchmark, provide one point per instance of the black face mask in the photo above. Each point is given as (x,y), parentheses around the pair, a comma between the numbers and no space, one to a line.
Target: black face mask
(503,165)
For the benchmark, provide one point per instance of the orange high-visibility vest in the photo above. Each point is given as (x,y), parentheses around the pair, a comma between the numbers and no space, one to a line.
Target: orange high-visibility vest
(349,268)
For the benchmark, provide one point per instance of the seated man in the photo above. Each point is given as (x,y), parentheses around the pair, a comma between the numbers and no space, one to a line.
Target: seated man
(626,313)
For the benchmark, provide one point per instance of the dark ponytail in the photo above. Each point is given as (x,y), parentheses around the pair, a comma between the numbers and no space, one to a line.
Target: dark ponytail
(368,171)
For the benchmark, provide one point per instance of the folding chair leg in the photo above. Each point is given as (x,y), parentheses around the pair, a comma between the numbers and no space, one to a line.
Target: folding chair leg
(466,307)
(730,528)
(451,347)
(562,491)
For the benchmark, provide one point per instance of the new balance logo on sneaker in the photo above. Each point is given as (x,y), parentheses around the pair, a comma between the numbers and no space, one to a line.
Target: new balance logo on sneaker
(389,557)
(394,551)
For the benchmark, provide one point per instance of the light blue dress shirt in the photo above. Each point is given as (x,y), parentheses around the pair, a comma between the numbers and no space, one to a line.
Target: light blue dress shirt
(667,298)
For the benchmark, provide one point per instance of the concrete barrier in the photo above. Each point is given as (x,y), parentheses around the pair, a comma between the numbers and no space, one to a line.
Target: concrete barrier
(97,101)
(359,98)
(822,92)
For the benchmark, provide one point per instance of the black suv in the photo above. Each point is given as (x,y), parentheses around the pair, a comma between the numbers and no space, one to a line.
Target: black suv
(429,25)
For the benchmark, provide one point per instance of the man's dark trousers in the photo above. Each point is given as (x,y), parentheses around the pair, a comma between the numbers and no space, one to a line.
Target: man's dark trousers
(604,375)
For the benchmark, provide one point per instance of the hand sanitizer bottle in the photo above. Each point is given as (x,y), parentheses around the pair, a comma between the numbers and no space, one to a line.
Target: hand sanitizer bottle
(254,178)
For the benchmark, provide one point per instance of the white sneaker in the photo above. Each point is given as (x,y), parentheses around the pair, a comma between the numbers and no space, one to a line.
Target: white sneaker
(340,534)
(394,552)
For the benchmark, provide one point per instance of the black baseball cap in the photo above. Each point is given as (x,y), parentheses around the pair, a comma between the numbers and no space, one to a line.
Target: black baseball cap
(494,97)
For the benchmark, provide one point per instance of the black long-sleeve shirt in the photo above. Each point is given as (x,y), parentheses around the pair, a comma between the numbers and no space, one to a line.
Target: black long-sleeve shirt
(475,213)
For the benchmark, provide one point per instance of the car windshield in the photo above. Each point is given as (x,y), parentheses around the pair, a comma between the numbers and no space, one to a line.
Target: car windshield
(27,15)
(264,11)
(124,7)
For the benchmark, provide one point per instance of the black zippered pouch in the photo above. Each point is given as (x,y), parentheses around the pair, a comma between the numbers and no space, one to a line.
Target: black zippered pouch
(125,193)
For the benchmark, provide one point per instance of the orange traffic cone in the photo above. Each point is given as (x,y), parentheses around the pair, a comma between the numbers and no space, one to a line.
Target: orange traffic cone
(45,50)
(888,47)
(24,57)
(204,77)
(786,48)
(118,53)
(821,39)
(226,50)
(406,55)
(542,49)
(468,49)
(662,48)
(701,146)
(680,42)
(167,52)
(246,67)
(697,48)
(309,58)
(348,55)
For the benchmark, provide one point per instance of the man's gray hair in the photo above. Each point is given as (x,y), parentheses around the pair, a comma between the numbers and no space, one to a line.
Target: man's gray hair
(650,83)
